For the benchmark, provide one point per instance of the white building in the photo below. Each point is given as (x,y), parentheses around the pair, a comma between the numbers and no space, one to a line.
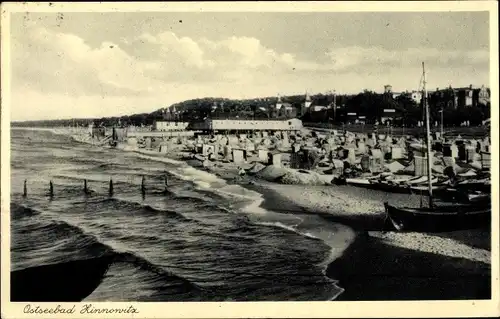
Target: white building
(247,125)
(170,126)
(416,96)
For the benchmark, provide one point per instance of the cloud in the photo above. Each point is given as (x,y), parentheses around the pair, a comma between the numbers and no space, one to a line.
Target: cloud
(52,69)
(64,63)
(229,60)
(373,57)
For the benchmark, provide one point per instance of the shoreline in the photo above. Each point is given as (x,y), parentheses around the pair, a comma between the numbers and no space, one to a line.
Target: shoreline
(376,265)
(375,268)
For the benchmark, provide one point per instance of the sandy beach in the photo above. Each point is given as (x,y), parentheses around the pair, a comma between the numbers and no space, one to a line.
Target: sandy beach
(385,265)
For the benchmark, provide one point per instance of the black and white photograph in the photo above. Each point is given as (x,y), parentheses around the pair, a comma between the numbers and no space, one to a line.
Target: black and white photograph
(208,154)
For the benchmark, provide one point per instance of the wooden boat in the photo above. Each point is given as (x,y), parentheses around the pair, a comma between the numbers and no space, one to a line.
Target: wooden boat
(200,157)
(483,185)
(359,181)
(399,180)
(425,189)
(387,186)
(421,180)
(375,183)
(461,196)
(437,218)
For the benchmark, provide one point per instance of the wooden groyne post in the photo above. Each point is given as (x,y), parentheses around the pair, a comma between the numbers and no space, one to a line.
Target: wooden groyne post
(143,186)
(85,187)
(25,189)
(110,187)
(51,189)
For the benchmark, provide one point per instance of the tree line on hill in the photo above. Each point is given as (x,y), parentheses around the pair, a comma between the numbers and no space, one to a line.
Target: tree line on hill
(369,104)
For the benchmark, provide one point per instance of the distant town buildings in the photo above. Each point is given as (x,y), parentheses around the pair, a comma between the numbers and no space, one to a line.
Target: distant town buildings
(449,97)
(460,97)
(281,114)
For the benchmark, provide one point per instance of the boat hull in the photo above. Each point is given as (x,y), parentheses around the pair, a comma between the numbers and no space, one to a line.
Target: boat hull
(391,188)
(444,218)
(381,186)
(483,187)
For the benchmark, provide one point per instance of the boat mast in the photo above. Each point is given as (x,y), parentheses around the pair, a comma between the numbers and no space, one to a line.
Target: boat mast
(428,133)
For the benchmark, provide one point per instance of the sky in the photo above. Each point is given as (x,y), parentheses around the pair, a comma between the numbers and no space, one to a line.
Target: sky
(66,65)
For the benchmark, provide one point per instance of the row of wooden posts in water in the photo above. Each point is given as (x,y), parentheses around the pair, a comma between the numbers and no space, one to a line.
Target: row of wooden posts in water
(87,191)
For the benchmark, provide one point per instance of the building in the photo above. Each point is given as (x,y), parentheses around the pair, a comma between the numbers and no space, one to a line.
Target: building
(170,114)
(415,96)
(164,126)
(388,117)
(318,104)
(279,103)
(459,97)
(483,95)
(464,96)
(317,108)
(287,111)
(351,117)
(284,110)
(306,105)
(230,125)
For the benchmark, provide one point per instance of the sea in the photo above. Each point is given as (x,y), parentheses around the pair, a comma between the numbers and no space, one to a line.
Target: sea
(198,238)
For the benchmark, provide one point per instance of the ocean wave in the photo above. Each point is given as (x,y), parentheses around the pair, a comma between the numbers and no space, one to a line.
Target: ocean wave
(288,228)
(158,159)
(134,206)
(85,243)
(19,211)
